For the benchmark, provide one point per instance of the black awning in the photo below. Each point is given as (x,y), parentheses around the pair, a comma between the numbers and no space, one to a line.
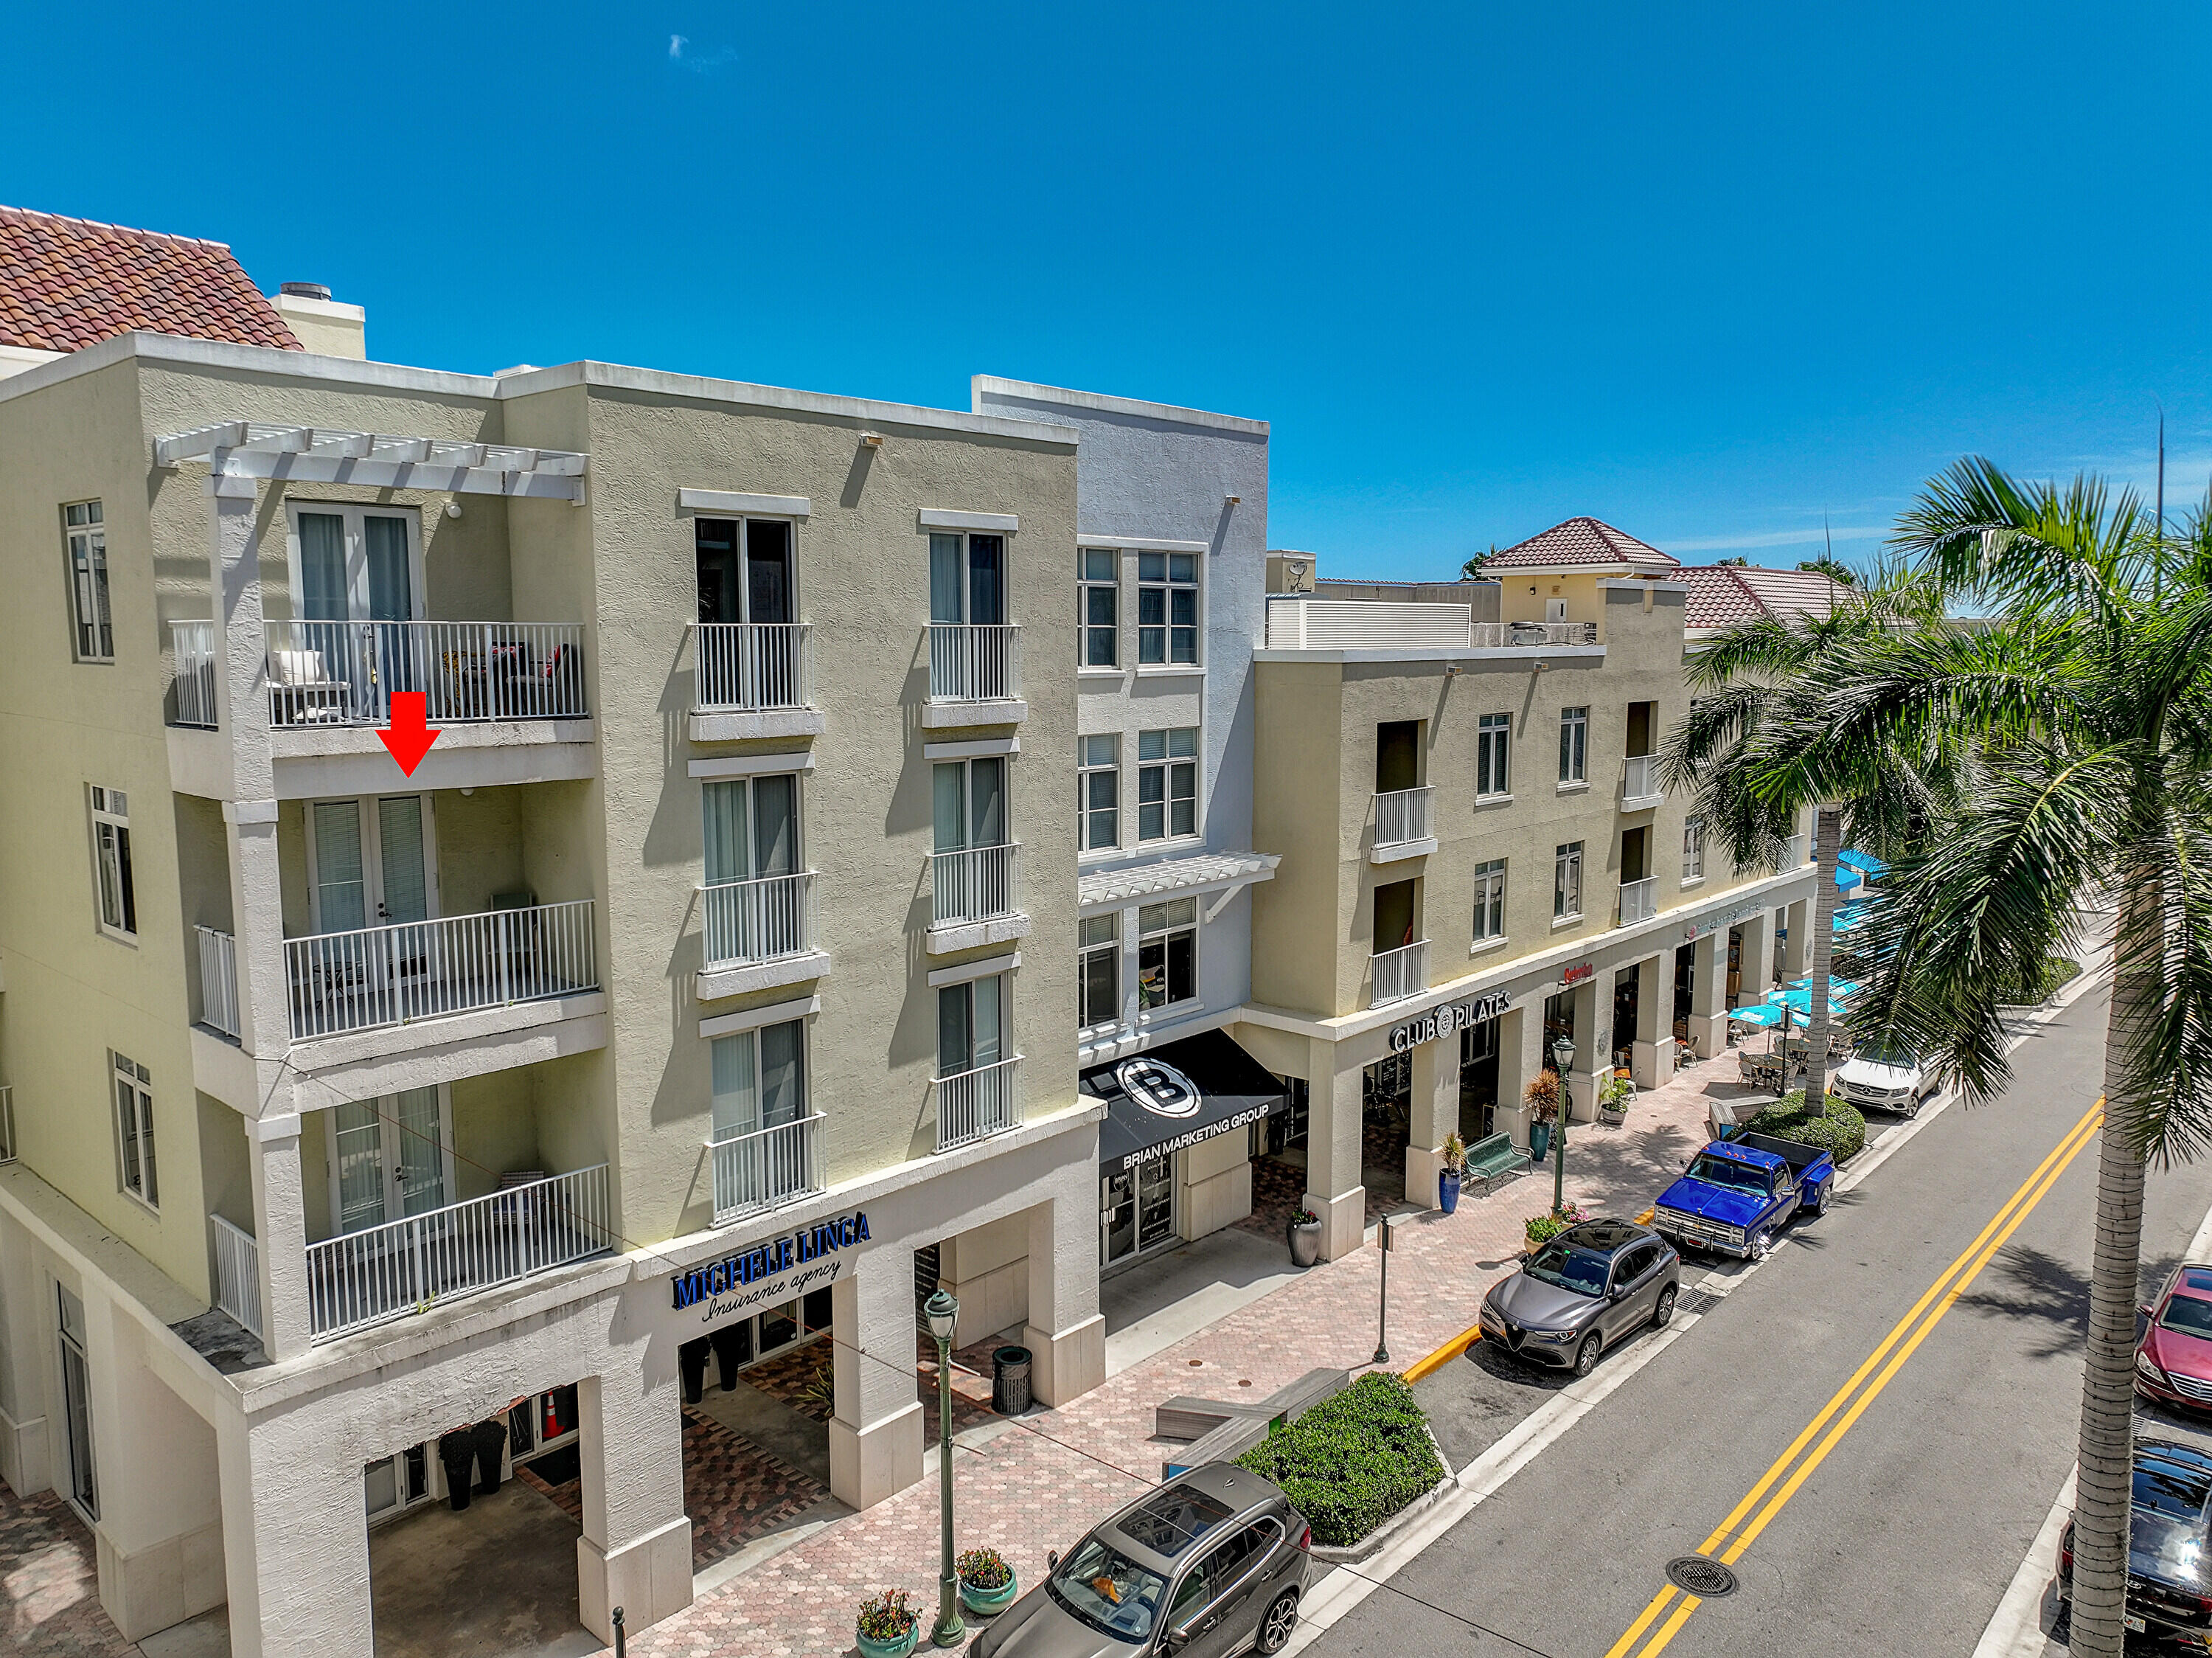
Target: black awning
(1177,1095)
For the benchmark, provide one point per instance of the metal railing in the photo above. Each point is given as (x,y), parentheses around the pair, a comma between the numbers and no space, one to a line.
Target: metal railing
(7,1123)
(972,664)
(1400,973)
(767,1166)
(1402,816)
(974,1104)
(1793,852)
(404,1266)
(346,672)
(745,667)
(979,884)
(1552,633)
(1640,777)
(757,920)
(218,980)
(192,652)
(410,970)
(237,1275)
(1639,900)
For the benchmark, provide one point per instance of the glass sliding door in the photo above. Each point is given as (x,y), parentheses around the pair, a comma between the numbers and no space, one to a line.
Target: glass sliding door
(76,1402)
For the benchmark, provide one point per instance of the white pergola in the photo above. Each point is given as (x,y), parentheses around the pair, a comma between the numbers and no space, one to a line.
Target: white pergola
(320,454)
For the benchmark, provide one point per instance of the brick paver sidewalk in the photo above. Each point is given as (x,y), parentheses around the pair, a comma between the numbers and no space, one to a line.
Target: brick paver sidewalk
(49,1583)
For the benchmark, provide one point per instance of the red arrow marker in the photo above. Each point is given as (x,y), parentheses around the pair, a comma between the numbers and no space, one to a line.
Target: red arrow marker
(408,740)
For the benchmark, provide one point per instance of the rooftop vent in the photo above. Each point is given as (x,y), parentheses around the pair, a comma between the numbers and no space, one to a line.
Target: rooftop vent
(304,289)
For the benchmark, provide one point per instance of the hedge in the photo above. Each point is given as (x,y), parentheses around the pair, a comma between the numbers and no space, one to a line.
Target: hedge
(2057,970)
(1352,1461)
(1841,1132)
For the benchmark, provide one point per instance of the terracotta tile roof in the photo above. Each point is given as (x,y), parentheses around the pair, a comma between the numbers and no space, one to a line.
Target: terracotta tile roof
(67,283)
(1721,596)
(1580,541)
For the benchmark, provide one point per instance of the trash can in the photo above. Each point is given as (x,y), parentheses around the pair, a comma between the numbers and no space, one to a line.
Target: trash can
(1009,1380)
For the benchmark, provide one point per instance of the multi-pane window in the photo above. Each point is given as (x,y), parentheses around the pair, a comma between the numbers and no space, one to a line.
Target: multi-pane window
(968,579)
(1098,970)
(86,529)
(760,1079)
(1693,850)
(1099,600)
(1167,783)
(1098,792)
(1574,745)
(968,803)
(134,1132)
(1490,899)
(1167,607)
(1167,952)
(971,1025)
(110,848)
(1493,737)
(1567,881)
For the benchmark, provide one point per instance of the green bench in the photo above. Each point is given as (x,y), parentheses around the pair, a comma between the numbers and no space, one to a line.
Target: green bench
(1491,1159)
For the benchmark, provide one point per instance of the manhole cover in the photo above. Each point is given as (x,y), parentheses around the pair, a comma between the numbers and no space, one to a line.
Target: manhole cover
(1707,1579)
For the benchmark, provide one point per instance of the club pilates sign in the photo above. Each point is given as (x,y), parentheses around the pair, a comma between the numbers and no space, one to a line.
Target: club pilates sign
(770,1272)
(1447,1019)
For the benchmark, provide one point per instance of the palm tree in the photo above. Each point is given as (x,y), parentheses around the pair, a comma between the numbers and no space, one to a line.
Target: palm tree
(2080,708)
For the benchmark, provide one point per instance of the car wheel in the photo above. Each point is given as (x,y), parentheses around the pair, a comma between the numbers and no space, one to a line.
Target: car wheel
(1760,1246)
(1818,1202)
(1586,1356)
(1282,1618)
(1665,1309)
(1913,1106)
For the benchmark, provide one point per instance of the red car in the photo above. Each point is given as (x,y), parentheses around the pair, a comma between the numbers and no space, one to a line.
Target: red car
(2173,1360)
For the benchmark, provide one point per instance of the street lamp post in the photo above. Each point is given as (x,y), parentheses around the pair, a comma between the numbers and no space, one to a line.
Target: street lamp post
(942,1313)
(1382,1318)
(1563,1055)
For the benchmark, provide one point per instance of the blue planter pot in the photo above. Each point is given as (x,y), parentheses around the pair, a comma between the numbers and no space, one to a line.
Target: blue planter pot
(1539,1142)
(899,1647)
(1448,1185)
(989,1603)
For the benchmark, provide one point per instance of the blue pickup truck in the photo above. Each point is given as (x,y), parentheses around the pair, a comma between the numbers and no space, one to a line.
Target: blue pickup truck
(1736,1194)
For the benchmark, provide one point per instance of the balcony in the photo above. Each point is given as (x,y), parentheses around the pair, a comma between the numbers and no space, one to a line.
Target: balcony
(1639,900)
(1403,825)
(973,1105)
(974,676)
(218,983)
(387,1271)
(345,674)
(758,934)
(1639,783)
(753,679)
(1400,973)
(975,898)
(1299,622)
(237,1275)
(766,1167)
(394,975)
(1550,633)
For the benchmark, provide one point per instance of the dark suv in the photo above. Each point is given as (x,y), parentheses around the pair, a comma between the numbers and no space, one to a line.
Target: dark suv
(1209,1565)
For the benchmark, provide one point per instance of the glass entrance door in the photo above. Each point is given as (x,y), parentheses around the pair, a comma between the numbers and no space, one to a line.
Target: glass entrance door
(389,1156)
(1136,1210)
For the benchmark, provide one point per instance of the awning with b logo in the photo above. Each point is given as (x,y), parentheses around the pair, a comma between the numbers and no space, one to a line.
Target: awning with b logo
(1177,1095)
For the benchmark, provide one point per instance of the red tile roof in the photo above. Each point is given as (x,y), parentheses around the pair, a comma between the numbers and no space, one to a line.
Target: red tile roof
(67,283)
(1721,596)
(1580,541)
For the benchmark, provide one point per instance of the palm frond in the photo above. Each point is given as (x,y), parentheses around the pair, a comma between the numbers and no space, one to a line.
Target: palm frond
(2166,946)
(1977,531)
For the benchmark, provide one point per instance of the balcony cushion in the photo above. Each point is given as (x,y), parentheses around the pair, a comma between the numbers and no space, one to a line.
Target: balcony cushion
(297,668)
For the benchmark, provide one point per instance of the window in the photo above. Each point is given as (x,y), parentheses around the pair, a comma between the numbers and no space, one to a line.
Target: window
(967,579)
(969,803)
(1098,970)
(111,846)
(1167,952)
(1167,783)
(1099,604)
(77,1401)
(1693,850)
(971,1025)
(134,1132)
(1567,881)
(760,1079)
(1493,736)
(1490,899)
(1098,792)
(751,827)
(1574,745)
(1167,607)
(747,583)
(87,532)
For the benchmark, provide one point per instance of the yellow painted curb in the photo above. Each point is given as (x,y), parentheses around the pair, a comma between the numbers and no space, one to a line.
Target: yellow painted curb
(1645,1219)
(1444,1354)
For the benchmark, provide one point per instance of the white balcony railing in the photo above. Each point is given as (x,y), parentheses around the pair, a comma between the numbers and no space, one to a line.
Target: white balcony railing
(1640,778)
(767,1166)
(1402,816)
(1639,900)
(191,651)
(972,1103)
(403,1266)
(7,1123)
(969,664)
(346,672)
(413,969)
(979,884)
(218,980)
(747,668)
(1550,633)
(237,1274)
(1400,973)
(1793,854)
(759,920)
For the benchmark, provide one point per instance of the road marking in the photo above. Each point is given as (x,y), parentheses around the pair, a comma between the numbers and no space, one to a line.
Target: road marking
(1898,1345)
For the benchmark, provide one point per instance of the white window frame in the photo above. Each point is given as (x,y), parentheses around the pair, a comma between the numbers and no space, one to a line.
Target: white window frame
(111,853)
(1168,584)
(1111,950)
(1089,771)
(1693,850)
(1567,882)
(130,1095)
(1163,767)
(83,1493)
(749,779)
(355,514)
(1574,745)
(1000,969)
(1490,902)
(372,857)
(1088,583)
(84,545)
(794,520)
(751,1034)
(966,765)
(388,1131)
(1165,930)
(1493,757)
(967,539)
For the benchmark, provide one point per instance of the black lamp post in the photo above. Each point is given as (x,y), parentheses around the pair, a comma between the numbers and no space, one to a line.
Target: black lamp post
(1563,1055)
(942,1313)
(1382,1319)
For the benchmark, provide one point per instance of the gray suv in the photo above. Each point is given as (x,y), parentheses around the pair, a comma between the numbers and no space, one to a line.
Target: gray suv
(1211,1564)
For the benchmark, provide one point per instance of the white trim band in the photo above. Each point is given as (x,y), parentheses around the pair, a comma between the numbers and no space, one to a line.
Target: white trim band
(967,969)
(996,523)
(752,765)
(751,1019)
(771,506)
(1141,544)
(969,751)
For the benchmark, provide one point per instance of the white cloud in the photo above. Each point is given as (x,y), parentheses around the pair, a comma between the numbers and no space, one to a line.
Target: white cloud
(676,45)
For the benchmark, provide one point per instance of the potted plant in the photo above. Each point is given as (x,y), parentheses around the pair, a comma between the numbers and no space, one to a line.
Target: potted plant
(986,1581)
(1542,1096)
(1542,1229)
(1453,1173)
(1305,1238)
(889,1626)
(1613,1097)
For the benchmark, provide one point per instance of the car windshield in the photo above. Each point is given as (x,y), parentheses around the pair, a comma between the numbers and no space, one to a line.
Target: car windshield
(1878,1052)
(2190,1315)
(1719,1171)
(1108,1591)
(2169,1488)
(1572,1269)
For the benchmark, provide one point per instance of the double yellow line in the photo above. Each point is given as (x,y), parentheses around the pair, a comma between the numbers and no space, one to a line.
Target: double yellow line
(1674,1605)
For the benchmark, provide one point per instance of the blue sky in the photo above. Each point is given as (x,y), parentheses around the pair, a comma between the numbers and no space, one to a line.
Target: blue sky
(1709,272)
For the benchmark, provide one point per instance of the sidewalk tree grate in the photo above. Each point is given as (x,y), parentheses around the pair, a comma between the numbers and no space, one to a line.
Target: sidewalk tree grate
(1709,1580)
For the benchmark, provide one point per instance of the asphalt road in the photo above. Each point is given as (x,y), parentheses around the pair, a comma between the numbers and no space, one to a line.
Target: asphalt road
(1904,1536)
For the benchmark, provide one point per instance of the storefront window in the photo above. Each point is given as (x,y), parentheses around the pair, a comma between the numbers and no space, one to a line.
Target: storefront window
(1136,1210)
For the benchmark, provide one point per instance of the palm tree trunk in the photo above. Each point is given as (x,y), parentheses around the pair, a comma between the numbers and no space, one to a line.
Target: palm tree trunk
(2107,1451)
(1827,851)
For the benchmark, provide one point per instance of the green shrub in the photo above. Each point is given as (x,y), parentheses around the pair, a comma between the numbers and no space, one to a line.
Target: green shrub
(2057,970)
(1841,1132)
(1354,1461)
(1542,1229)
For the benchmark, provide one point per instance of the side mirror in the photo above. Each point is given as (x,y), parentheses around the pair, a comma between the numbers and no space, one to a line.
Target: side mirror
(1174,1640)
(2148,1311)
(1052,1559)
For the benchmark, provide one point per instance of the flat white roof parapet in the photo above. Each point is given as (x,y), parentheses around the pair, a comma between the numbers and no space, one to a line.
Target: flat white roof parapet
(1031,391)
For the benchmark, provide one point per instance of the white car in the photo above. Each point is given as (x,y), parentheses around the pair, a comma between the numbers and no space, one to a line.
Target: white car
(1884,1079)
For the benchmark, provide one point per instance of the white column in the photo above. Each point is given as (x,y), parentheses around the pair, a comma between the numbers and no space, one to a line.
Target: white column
(280,1233)
(295,1544)
(1652,1060)
(1708,993)
(1520,1042)
(257,911)
(875,1434)
(240,689)
(1066,1334)
(26,1357)
(1435,1114)
(1334,1189)
(1797,949)
(1757,975)
(636,1551)
(1593,1045)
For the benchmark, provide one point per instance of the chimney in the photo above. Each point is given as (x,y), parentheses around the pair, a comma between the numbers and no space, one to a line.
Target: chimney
(320,323)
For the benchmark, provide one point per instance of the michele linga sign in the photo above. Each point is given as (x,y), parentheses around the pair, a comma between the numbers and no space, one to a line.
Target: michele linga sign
(719,1286)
